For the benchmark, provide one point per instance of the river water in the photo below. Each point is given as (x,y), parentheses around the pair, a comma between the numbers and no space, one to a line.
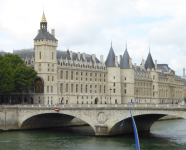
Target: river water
(164,135)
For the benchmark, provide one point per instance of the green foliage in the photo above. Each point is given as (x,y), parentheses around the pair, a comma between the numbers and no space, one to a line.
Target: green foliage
(6,77)
(14,74)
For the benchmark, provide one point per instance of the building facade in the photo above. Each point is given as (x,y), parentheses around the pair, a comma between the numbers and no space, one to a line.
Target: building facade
(69,77)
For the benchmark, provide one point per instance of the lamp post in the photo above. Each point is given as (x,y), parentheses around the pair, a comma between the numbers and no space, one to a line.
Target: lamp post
(137,94)
(110,95)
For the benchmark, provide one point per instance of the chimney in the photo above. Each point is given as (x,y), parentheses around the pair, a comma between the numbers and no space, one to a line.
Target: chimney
(155,64)
(94,57)
(130,62)
(143,64)
(101,59)
(84,56)
(71,54)
(79,55)
(53,32)
(135,66)
(183,72)
(116,60)
(120,56)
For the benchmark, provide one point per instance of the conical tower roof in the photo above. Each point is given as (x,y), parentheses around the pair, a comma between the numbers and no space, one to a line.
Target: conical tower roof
(149,62)
(110,62)
(125,60)
(43,19)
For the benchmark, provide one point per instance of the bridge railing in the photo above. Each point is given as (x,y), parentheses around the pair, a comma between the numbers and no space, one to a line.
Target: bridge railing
(97,105)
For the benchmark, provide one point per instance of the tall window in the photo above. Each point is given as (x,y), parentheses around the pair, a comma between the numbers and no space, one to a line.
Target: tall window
(61,75)
(71,75)
(114,90)
(67,87)
(40,55)
(81,88)
(100,89)
(76,88)
(51,89)
(47,89)
(52,78)
(66,75)
(71,88)
(125,91)
(86,88)
(104,88)
(52,55)
(61,87)
(48,78)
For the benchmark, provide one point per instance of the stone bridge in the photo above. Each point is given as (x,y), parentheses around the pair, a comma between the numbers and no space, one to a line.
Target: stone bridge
(104,119)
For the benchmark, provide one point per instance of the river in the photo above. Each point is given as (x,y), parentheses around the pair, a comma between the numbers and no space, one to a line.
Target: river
(164,135)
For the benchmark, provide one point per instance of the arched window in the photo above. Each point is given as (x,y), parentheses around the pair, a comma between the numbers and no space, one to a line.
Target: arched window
(61,63)
(26,62)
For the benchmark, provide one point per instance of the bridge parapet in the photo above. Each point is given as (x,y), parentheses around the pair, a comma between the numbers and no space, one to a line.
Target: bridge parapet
(97,106)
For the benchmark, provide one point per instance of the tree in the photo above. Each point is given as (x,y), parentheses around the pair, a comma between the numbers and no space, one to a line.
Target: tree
(6,77)
(24,77)
(14,75)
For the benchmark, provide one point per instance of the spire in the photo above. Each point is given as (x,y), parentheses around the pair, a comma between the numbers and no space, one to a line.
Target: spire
(110,62)
(149,62)
(43,19)
(43,23)
(125,59)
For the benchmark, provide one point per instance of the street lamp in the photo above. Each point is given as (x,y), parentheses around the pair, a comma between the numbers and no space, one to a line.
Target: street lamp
(110,95)
(137,94)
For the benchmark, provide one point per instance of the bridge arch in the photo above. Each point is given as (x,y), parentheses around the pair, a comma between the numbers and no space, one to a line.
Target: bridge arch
(46,118)
(144,120)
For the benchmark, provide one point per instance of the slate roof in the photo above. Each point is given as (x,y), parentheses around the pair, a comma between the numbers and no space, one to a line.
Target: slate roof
(149,62)
(184,82)
(164,67)
(44,34)
(110,61)
(66,54)
(125,60)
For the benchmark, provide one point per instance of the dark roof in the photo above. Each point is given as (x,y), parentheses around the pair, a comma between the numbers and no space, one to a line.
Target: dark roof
(184,82)
(164,67)
(161,74)
(66,54)
(25,53)
(110,62)
(125,60)
(43,34)
(149,62)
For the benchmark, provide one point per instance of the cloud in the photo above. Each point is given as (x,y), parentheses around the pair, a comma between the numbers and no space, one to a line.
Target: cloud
(89,26)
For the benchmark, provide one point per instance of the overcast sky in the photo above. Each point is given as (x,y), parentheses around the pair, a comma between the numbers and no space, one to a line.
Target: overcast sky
(90,25)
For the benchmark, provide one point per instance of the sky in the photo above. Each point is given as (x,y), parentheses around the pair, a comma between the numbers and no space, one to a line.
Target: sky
(90,25)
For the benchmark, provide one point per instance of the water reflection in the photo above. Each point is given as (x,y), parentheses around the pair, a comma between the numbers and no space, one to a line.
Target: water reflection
(164,135)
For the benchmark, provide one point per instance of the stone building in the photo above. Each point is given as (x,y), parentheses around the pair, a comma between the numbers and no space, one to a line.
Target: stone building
(69,77)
